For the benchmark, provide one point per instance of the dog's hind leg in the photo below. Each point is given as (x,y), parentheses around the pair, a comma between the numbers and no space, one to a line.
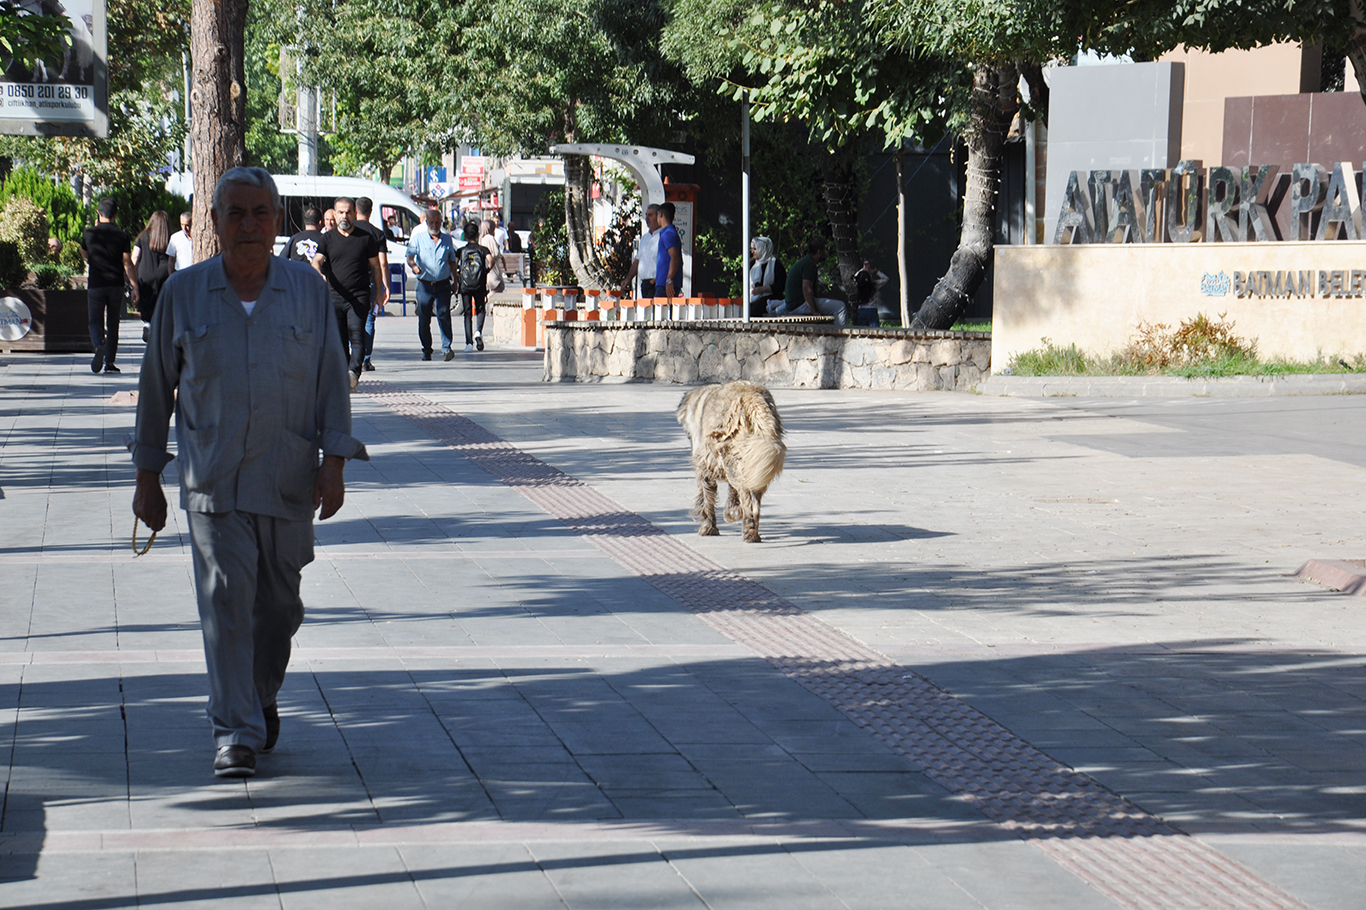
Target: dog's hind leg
(749,507)
(704,509)
(733,511)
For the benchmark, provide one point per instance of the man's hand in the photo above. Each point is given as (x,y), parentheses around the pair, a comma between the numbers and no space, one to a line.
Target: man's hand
(149,502)
(329,489)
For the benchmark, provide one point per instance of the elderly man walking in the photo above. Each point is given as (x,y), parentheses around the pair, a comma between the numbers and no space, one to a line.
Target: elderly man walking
(245,351)
(429,257)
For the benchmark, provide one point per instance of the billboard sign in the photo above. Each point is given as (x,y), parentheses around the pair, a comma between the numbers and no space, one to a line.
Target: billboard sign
(65,97)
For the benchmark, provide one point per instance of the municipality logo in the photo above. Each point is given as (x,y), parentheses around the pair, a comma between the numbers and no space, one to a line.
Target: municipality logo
(1215,285)
(15,319)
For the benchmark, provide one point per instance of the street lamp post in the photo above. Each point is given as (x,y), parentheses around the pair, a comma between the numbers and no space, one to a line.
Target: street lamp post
(744,206)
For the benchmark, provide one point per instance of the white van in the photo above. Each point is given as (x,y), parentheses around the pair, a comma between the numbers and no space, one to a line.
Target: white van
(394,211)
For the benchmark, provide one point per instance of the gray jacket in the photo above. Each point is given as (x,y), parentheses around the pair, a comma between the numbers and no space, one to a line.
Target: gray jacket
(258,396)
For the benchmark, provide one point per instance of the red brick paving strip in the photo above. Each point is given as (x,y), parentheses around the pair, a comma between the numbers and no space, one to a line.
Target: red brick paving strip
(1134,858)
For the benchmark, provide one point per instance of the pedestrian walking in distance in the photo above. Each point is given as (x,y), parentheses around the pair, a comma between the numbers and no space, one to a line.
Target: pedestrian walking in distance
(364,206)
(109,254)
(430,253)
(473,265)
(349,259)
(245,352)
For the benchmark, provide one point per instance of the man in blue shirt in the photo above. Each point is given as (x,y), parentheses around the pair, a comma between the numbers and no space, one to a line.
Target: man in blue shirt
(669,258)
(429,257)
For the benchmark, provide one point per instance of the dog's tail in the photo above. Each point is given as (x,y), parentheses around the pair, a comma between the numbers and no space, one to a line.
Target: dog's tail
(759,447)
(759,460)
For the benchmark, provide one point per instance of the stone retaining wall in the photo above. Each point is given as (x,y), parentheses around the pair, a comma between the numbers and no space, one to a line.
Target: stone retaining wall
(502,324)
(797,356)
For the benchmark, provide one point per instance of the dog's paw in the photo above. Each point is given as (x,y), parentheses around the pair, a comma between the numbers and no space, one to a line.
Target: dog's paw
(708,531)
(733,513)
(752,537)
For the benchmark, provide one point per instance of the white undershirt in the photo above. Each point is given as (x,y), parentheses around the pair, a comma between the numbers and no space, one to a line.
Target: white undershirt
(248,305)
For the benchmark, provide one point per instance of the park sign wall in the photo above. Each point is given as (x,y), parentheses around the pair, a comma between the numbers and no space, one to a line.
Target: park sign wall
(1187,204)
(66,97)
(1277,250)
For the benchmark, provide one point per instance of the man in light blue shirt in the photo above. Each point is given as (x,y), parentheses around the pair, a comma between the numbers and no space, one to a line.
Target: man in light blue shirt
(429,258)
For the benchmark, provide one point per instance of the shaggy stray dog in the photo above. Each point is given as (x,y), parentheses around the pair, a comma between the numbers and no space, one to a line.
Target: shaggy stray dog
(737,436)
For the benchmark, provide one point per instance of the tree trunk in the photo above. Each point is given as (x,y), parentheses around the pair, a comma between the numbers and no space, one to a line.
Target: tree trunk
(578,223)
(841,208)
(1356,44)
(219,98)
(993,104)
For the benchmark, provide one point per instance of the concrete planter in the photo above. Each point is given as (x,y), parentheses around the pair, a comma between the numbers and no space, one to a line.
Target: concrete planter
(793,356)
(60,322)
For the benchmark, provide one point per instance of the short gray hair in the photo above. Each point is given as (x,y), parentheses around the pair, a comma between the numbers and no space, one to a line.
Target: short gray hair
(246,176)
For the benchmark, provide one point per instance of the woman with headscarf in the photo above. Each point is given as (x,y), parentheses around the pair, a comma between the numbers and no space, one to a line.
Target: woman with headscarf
(766,276)
(153,264)
(488,240)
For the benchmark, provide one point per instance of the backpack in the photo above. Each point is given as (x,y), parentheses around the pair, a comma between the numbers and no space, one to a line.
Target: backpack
(472,269)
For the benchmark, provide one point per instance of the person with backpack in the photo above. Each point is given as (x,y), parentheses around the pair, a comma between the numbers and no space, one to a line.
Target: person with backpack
(473,264)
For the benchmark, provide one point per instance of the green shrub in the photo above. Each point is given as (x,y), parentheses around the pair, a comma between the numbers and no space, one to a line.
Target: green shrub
(1051,360)
(138,202)
(50,276)
(1195,347)
(13,272)
(71,257)
(24,223)
(66,217)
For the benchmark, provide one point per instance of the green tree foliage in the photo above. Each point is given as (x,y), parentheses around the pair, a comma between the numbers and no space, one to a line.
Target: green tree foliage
(27,37)
(145,115)
(267,146)
(820,63)
(385,61)
(550,241)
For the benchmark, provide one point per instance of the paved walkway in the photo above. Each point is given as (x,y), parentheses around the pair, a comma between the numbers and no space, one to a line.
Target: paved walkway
(994,652)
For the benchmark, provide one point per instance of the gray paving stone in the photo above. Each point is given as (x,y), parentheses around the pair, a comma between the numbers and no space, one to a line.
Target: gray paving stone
(1328,877)
(1106,579)
(732,877)
(480,877)
(604,877)
(357,877)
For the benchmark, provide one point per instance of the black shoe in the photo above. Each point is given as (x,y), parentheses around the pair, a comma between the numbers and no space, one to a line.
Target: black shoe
(146,332)
(355,379)
(426,355)
(369,367)
(479,343)
(110,368)
(234,761)
(97,362)
(272,713)
(450,355)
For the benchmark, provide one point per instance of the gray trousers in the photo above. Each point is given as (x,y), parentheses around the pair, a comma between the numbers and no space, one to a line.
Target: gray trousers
(246,576)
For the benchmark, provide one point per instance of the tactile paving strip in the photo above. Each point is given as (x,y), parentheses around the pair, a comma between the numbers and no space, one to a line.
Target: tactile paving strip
(1135,859)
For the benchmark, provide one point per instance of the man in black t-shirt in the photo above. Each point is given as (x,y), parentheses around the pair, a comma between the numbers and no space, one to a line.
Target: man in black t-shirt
(108,252)
(303,246)
(363,209)
(349,260)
